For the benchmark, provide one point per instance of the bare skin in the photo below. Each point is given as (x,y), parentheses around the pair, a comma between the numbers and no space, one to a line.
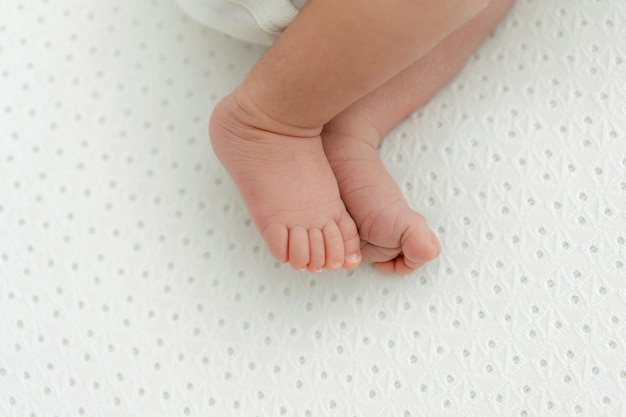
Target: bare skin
(288,186)
(394,237)
(268,133)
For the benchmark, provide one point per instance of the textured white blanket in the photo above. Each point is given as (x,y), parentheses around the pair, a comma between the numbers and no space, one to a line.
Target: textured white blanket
(132,282)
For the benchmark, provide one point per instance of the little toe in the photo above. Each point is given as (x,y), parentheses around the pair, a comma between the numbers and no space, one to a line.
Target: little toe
(298,248)
(277,237)
(351,242)
(317,252)
(333,242)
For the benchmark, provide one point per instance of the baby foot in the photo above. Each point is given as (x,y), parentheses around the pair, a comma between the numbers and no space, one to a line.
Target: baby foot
(287,184)
(394,237)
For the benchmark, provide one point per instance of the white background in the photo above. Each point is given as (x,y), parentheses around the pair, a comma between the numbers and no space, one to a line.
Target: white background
(132,282)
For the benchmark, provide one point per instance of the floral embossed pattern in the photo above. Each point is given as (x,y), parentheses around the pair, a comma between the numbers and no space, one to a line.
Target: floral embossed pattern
(132,282)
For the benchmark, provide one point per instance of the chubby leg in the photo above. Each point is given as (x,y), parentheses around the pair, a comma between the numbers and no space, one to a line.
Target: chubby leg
(267,133)
(395,238)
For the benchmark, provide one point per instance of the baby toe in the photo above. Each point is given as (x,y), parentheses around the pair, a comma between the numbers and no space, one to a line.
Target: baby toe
(397,266)
(298,248)
(374,254)
(419,245)
(317,251)
(277,238)
(333,242)
(435,241)
(351,242)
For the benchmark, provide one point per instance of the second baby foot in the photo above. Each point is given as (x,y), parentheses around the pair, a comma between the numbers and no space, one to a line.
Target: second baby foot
(287,184)
(394,237)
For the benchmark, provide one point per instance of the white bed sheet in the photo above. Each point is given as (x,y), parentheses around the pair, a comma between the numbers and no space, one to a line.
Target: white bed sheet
(132,282)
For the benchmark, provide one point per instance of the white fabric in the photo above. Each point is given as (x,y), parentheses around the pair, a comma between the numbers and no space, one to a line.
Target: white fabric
(132,282)
(256,21)
(272,16)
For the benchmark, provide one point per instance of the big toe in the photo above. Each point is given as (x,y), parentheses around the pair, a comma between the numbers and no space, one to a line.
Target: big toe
(420,245)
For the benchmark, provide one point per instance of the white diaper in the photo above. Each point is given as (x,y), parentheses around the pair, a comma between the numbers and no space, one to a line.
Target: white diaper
(256,21)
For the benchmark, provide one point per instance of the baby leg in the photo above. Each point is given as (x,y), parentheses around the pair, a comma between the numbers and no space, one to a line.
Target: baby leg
(395,237)
(267,133)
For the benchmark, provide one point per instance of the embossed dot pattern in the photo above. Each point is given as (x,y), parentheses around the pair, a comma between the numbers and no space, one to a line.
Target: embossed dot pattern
(132,281)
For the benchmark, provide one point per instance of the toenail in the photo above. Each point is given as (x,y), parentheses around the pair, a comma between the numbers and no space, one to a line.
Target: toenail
(354,258)
(318,270)
(337,264)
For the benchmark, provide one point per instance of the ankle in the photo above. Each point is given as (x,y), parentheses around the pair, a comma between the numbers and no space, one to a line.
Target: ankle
(351,133)
(251,112)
